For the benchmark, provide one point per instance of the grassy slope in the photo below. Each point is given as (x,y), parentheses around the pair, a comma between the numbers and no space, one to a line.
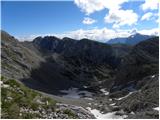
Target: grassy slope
(16,96)
(20,102)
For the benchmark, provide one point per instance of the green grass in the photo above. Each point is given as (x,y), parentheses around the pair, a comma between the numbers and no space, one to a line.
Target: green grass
(17,96)
(70,113)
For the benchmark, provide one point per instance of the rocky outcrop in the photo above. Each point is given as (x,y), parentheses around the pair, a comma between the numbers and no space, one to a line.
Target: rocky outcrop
(17,61)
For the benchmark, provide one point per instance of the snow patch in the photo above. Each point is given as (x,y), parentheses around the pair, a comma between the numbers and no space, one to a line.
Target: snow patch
(112,104)
(110,99)
(152,76)
(1,82)
(110,115)
(132,113)
(85,86)
(4,85)
(75,93)
(125,96)
(104,91)
(89,103)
(87,98)
(157,108)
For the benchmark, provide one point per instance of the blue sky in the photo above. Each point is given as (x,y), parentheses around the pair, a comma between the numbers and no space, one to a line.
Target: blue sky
(67,17)
(40,17)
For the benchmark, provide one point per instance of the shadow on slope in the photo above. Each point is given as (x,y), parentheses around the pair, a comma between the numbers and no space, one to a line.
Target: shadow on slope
(50,77)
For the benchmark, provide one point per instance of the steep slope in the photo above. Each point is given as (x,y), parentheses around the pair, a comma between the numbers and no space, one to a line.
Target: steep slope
(140,62)
(136,87)
(75,63)
(142,102)
(117,40)
(86,50)
(17,61)
(121,50)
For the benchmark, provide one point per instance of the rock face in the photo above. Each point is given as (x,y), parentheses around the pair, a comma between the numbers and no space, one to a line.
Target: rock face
(87,51)
(142,101)
(17,61)
(77,63)
(139,63)
(137,82)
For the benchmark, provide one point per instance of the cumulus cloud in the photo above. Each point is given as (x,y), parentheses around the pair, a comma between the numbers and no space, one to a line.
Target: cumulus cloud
(88,21)
(157,21)
(147,16)
(116,15)
(26,37)
(105,34)
(89,6)
(121,17)
(113,4)
(154,31)
(150,5)
(101,35)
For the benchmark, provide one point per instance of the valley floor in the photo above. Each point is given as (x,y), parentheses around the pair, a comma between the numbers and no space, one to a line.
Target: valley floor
(83,102)
(100,105)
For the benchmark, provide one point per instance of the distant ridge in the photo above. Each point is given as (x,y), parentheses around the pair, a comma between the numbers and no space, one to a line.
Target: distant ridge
(131,40)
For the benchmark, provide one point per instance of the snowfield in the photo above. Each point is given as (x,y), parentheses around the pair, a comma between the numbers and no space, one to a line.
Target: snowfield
(157,108)
(110,115)
(104,91)
(75,93)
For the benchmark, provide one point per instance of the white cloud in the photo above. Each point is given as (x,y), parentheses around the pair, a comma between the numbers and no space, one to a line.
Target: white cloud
(88,21)
(150,5)
(91,6)
(116,15)
(147,16)
(154,31)
(121,17)
(157,21)
(105,34)
(26,37)
(102,35)
(113,4)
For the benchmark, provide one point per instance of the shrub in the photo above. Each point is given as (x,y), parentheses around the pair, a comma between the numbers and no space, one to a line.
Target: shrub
(69,113)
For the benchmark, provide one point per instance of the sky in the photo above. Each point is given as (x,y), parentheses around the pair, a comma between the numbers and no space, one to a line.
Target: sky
(99,20)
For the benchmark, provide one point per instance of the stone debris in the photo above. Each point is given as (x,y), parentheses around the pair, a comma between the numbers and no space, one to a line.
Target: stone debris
(59,113)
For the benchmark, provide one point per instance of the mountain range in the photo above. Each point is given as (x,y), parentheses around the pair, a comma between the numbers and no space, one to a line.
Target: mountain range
(50,64)
(131,40)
